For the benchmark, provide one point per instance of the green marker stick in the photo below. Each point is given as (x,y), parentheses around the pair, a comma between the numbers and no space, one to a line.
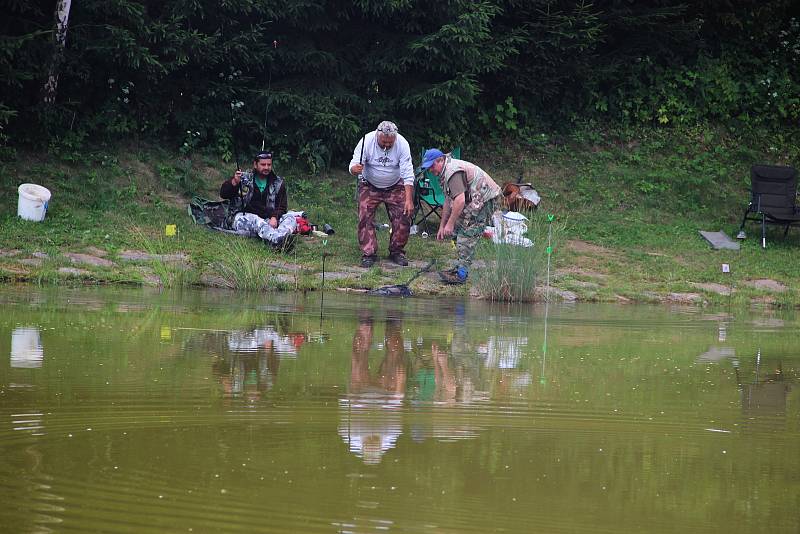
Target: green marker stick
(549,249)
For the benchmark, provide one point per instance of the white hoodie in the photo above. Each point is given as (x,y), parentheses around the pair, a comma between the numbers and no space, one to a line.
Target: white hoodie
(384,168)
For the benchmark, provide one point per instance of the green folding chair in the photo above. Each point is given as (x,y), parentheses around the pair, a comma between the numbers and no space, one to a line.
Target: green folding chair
(428,194)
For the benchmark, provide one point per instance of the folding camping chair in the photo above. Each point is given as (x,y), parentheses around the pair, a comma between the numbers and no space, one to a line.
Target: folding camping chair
(773,194)
(428,194)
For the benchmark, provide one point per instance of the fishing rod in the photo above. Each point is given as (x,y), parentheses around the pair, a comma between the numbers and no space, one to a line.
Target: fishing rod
(361,158)
(372,85)
(236,151)
(269,94)
(233,136)
(322,288)
(423,270)
(363,142)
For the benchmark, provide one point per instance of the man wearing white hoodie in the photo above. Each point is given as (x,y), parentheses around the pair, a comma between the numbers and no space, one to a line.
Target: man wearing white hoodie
(382,161)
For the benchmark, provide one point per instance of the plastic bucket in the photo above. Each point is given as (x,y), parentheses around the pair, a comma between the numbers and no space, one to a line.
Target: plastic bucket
(33,200)
(514,223)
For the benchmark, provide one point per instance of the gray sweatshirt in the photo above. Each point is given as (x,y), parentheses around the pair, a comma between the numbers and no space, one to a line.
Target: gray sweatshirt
(384,168)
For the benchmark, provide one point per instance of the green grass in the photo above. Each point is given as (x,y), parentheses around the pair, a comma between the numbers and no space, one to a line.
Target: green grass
(628,206)
(514,273)
(243,266)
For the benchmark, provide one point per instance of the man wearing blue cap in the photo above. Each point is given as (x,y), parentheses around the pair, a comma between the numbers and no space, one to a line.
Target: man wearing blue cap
(470,200)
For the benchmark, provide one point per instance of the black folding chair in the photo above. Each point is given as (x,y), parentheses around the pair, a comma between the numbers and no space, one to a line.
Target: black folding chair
(773,194)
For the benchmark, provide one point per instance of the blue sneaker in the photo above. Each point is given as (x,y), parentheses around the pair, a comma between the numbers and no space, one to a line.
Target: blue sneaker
(454,276)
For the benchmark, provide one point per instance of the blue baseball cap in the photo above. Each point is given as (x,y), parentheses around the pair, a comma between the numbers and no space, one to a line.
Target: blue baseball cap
(431,155)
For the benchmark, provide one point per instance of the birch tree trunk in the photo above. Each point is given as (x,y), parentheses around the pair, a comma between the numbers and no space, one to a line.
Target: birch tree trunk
(62,19)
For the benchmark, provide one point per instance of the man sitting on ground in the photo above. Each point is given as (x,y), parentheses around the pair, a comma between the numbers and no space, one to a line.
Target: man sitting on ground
(259,196)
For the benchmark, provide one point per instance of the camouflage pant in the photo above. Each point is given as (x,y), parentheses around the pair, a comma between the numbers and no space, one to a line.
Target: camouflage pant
(369,198)
(469,230)
(253,225)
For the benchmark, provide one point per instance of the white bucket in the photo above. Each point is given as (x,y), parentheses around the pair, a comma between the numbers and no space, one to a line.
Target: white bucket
(514,223)
(33,200)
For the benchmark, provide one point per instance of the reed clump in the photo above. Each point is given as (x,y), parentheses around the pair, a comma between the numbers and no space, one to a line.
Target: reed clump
(246,265)
(514,272)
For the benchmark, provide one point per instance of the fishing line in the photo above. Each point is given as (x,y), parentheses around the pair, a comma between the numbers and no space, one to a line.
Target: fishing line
(549,250)
(322,287)
(543,379)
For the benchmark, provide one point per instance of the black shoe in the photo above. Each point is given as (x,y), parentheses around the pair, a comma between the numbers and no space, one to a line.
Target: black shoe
(288,244)
(399,258)
(284,244)
(368,261)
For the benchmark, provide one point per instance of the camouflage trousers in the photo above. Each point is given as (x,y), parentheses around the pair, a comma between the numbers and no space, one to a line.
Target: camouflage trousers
(253,225)
(369,198)
(469,229)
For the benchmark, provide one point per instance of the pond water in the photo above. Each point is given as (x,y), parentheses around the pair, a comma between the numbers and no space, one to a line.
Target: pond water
(138,411)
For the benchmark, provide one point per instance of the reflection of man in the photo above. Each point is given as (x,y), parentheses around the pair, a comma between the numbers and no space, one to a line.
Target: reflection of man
(248,376)
(443,376)
(239,341)
(441,379)
(373,420)
(250,368)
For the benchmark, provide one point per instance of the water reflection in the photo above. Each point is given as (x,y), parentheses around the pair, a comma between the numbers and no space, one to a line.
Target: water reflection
(264,338)
(371,416)
(27,351)
(416,416)
(504,354)
(763,386)
(433,375)
(249,367)
(719,353)
(764,395)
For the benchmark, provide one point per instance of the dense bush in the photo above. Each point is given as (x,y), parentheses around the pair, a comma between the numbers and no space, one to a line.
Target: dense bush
(309,76)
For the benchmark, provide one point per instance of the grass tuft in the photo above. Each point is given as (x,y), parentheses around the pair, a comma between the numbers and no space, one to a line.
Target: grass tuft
(246,265)
(514,272)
